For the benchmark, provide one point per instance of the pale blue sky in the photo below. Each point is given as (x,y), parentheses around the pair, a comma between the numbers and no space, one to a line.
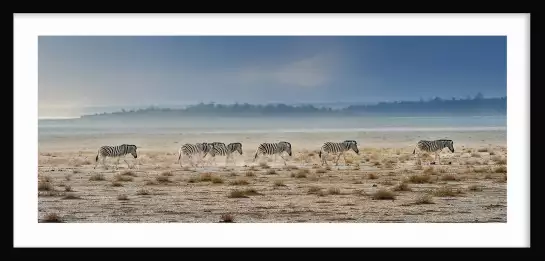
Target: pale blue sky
(88,71)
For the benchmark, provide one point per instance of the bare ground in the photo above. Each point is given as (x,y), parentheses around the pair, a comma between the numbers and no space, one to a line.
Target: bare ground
(379,185)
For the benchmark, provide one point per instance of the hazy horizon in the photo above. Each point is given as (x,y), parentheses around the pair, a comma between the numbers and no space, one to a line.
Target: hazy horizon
(77,73)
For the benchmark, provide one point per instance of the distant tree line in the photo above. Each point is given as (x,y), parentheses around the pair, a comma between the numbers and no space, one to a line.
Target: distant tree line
(475,105)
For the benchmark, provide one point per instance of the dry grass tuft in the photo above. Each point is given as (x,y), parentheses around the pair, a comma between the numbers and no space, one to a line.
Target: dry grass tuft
(68,188)
(128,173)
(162,179)
(167,174)
(279,183)
(217,180)
(227,218)
(117,184)
(45,186)
(501,169)
(239,182)
(321,171)
(302,173)
(97,177)
(334,191)
(449,177)
(264,165)
(243,193)
(372,176)
(483,150)
(123,197)
(151,182)
(237,194)
(419,179)
(424,199)
(271,172)
(499,160)
(123,178)
(403,186)
(383,194)
(481,170)
(475,188)
(250,174)
(52,218)
(71,196)
(314,190)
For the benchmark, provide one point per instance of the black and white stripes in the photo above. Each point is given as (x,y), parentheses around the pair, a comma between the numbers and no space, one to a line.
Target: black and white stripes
(220,149)
(337,148)
(273,149)
(434,146)
(191,150)
(115,152)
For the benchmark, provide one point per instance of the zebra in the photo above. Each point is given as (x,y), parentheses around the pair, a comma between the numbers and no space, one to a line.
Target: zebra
(338,147)
(274,148)
(434,146)
(220,149)
(115,152)
(190,150)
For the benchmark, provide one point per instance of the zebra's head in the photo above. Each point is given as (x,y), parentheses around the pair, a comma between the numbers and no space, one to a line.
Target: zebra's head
(132,149)
(450,145)
(205,147)
(236,146)
(286,146)
(352,144)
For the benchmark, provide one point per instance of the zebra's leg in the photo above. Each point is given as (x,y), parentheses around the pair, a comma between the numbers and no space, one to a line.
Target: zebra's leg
(104,162)
(96,163)
(337,161)
(283,159)
(344,157)
(117,162)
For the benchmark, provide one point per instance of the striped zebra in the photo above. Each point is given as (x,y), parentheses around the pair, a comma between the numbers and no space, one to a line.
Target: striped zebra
(337,147)
(220,149)
(434,146)
(191,150)
(274,149)
(115,152)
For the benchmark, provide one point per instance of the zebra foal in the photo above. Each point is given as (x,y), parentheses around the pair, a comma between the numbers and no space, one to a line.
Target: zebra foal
(273,149)
(434,146)
(337,148)
(115,152)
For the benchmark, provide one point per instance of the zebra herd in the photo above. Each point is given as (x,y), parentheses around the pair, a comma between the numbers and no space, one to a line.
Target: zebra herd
(201,150)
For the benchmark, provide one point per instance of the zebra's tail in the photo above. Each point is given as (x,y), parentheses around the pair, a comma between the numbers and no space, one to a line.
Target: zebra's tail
(96,158)
(320,154)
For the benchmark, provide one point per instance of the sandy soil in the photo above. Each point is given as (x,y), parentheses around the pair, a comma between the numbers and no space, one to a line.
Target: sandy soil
(383,184)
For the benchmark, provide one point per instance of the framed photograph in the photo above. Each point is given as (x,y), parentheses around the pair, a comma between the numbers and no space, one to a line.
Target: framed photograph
(298,130)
